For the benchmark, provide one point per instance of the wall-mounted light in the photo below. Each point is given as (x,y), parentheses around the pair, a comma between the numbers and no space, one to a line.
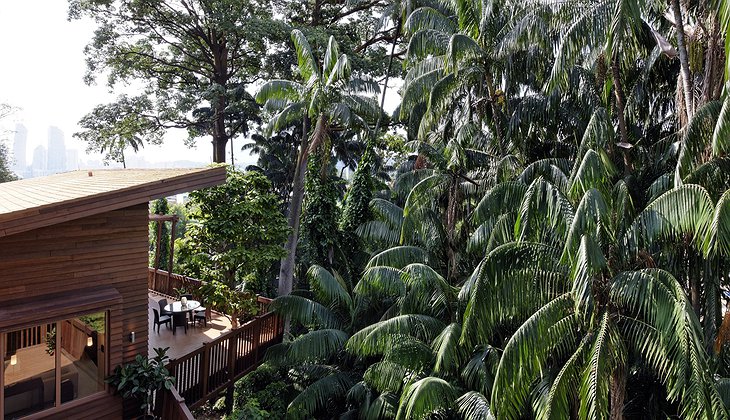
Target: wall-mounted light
(13,360)
(131,337)
(89,341)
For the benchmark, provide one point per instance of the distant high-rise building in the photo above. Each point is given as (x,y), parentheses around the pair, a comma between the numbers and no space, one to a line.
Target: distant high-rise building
(40,157)
(56,151)
(72,159)
(20,143)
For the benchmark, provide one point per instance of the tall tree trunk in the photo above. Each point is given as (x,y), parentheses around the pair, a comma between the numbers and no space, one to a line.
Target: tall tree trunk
(712,83)
(221,76)
(618,89)
(286,271)
(618,393)
(220,138)
(387,77)
(451,219)
(683,58)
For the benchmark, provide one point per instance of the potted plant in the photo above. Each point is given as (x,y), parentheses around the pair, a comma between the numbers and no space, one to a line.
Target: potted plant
(140,379)
(233,303)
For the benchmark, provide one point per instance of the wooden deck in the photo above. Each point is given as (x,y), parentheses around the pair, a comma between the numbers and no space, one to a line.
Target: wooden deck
(182,344)
(207,361)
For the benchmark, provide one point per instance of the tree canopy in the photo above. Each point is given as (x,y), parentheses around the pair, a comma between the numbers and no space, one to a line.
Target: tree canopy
(234,232)
(192,59)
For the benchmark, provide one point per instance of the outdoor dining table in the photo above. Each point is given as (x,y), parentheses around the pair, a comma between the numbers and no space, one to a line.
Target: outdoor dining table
(178,308)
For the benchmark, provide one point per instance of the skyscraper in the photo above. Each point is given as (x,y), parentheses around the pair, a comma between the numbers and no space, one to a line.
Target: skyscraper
(40,157)
(56,151)
(20,143)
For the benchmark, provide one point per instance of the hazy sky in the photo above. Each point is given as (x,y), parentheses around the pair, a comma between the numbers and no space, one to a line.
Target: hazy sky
(41,72)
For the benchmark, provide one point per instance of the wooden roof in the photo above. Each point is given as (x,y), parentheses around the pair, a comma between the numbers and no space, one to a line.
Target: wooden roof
(37,202)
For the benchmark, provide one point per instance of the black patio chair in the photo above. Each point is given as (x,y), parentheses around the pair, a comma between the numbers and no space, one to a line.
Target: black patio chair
(163,312)
(159,320)
(179,319)
(200,314)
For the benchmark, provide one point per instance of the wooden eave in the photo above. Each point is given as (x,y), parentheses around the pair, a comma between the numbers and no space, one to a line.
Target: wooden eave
(38,202)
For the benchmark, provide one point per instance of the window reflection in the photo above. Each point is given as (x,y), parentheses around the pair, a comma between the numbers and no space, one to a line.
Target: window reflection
(83,343)
(69,352)
(29,370)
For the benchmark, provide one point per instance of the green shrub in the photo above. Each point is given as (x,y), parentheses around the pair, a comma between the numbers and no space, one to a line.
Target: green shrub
(263,393)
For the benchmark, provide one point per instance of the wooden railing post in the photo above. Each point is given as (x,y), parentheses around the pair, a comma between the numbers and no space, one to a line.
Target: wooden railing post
(232,350)
(204,369)
(256,339)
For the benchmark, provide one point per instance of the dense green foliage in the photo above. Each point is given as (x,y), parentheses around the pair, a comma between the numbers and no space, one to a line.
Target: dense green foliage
(112,128)
(234,233)
(553,244)
(161,254)
(332,104)
(5,163)
(262,394)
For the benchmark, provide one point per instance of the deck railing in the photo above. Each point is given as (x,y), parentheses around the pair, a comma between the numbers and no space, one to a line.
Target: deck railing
(216,365)
(171,406)
(168,284)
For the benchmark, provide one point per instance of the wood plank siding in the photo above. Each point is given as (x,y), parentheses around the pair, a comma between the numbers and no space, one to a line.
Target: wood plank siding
(109,249)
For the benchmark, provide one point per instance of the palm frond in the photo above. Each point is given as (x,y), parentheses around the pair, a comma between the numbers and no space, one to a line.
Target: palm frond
(721,134)
(328,289)
(378,338)
(307,64)
(387,376)
(424,397)
(526,354)
(305,311)
(512,282)
(278,89)
(331,57)
(381,281)
(544,210)
(505,197)
(317,346)
(719,238)
(552,170)
(317,395)
(592,218)
(428,18)
(474,406)
(340,71)
(588,266)
(449,352)
(604,356)
(685,210)
(696,140)
(557,403)
(399,257)
(427,43)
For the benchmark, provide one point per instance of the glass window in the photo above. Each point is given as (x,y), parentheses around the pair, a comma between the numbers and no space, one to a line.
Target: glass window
(29,377)
(68,354)
(82,347)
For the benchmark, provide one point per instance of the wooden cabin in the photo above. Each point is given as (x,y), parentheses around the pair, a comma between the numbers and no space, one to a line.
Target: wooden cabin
(73,281)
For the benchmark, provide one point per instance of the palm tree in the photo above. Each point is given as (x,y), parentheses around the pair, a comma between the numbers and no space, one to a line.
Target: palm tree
(581,286)
(276,157)
(329,99)
(316,358)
